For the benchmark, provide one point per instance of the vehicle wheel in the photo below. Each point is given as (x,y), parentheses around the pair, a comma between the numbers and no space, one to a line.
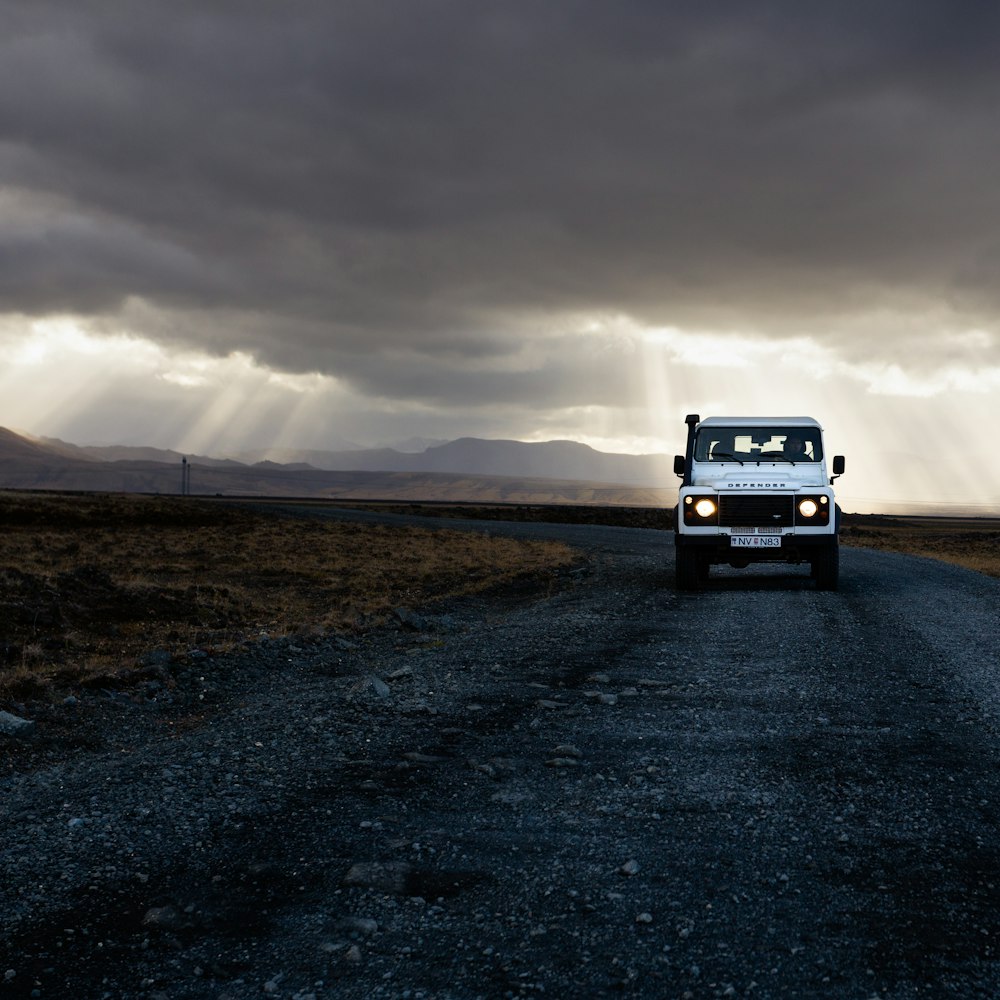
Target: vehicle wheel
(826,568)
(688,569)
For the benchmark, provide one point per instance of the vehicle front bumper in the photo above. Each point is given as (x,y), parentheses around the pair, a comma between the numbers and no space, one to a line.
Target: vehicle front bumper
(794,547)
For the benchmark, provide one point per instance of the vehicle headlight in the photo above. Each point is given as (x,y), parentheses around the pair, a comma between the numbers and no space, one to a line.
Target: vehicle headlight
(813,510)
(700,511)
(808,508)
(705,507)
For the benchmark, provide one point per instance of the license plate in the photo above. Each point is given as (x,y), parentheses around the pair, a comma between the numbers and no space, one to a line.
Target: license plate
(755,542)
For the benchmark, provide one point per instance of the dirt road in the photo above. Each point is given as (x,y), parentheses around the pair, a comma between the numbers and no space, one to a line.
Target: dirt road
(756,791)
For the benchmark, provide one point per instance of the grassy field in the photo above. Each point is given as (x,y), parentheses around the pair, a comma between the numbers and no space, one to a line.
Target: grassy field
(90,582)
(970,542)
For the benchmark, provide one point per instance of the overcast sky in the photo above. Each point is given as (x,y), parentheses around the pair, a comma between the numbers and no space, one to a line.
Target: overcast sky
(302,223)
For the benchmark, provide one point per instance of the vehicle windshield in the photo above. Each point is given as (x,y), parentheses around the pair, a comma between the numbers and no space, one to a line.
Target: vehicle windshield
(758,444)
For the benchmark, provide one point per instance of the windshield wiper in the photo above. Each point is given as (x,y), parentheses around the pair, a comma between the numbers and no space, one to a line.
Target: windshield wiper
(777,454)
(726,454)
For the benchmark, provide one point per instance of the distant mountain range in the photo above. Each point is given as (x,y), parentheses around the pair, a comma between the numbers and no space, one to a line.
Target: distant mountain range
(466,469)
(549,459)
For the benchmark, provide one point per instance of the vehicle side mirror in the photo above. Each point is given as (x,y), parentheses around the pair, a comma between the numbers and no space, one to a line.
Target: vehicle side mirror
(679,465)
(838,465)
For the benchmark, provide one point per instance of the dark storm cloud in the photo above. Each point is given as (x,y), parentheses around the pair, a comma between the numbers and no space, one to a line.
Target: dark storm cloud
(323,182)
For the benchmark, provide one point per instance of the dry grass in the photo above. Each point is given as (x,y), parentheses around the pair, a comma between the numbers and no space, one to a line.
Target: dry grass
(972,543)
(90,582)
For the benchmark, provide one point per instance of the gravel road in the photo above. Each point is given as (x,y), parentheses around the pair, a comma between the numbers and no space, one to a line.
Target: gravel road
(608,789)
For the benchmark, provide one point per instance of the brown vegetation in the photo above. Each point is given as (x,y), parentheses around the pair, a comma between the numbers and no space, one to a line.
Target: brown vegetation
(970,542)
(88,583)
(91,582)
(615,514)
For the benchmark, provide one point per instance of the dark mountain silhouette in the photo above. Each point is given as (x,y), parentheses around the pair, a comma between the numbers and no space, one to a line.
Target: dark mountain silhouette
(127,453)
(17,447)
(467,469)
(561,459)
(476,456)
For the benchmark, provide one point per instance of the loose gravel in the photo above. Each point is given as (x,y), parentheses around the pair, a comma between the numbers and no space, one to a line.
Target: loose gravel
(610,789)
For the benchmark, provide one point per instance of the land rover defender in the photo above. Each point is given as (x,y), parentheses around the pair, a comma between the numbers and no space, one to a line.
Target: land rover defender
(756,489)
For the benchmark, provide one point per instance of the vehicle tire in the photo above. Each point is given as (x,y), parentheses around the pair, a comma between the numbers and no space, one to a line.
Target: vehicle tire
(688,565)
(826,568)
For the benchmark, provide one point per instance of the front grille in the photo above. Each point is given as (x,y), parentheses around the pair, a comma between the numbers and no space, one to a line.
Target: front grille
(754,510)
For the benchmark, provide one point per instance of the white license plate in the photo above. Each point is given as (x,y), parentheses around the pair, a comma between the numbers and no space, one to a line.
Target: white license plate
(755,542)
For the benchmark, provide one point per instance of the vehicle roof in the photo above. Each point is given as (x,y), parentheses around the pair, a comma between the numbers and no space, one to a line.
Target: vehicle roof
(759,422)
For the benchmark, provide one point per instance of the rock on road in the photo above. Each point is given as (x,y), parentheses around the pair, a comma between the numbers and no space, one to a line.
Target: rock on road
(613,789)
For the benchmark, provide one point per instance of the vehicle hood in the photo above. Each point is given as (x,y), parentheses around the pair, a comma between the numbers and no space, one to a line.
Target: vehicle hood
(754,478)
